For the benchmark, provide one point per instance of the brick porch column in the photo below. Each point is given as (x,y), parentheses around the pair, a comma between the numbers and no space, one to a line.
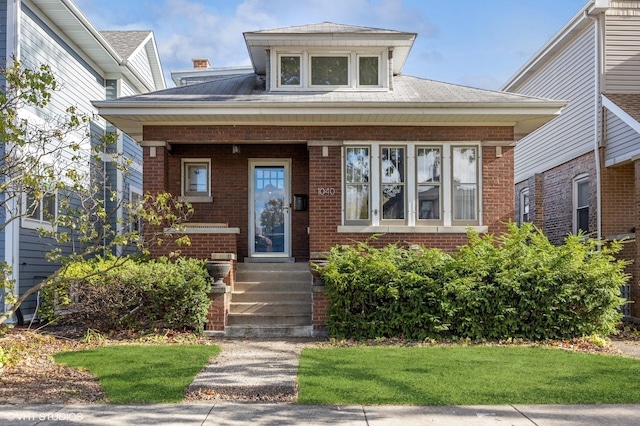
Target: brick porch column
(635,283)
(155,174)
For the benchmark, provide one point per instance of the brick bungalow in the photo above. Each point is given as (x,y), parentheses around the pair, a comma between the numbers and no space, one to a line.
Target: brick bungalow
(327,143)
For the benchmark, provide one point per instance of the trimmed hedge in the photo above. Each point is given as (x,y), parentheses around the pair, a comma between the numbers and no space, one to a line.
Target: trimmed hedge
(517,286)
(140,295)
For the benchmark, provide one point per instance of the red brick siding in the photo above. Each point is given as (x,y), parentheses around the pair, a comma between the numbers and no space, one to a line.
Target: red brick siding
(320,305)
(311,171)
(558,197)
(217,314)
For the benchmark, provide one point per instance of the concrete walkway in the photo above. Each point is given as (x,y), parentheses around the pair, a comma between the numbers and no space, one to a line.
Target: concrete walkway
(227,413)
(252,369)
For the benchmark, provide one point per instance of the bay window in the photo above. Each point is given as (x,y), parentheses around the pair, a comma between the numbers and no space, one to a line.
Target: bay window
(414,184)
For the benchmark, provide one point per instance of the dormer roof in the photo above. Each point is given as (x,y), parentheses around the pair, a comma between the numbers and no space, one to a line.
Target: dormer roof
(327,35)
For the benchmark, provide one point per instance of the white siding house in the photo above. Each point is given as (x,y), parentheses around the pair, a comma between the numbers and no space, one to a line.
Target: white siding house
(581,171)
(88,65)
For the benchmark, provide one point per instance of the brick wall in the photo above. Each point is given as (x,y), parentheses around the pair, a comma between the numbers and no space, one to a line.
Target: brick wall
(310,171)
(558,197)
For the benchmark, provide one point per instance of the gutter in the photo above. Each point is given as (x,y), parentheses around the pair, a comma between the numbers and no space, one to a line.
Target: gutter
(73,9)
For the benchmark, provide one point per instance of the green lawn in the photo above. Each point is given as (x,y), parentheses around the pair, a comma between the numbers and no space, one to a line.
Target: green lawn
(142,373)
(465,375)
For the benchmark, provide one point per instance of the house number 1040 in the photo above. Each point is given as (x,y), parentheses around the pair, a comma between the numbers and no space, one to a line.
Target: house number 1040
(326,191)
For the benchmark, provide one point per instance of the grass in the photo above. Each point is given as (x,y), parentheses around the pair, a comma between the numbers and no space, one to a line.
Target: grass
(464,375)
(142,373)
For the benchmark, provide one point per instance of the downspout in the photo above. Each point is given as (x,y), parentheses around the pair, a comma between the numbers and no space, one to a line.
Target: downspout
(597,112)
(12,205)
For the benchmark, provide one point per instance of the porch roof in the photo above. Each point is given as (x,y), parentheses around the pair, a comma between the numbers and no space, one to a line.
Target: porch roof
(243,100)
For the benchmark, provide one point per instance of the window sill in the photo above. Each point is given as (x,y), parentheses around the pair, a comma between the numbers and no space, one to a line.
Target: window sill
(36,225)
(195,199)
(412,229)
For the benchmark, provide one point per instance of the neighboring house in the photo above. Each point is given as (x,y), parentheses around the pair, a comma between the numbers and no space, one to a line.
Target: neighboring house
(202,72)
(88,65)
(327,143)
(581,172)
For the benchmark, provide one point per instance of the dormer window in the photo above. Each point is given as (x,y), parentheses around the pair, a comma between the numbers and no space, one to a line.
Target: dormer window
(328,70)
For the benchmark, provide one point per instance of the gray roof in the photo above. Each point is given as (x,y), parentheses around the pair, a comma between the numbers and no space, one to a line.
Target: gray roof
(324,28)
(125,42)
(250,89)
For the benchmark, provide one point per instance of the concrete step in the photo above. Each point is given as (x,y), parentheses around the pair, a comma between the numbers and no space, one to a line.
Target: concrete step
(269,320)
(268,331)
(276,267)
(270,308)
(273,276)
(292,286)
(270,296)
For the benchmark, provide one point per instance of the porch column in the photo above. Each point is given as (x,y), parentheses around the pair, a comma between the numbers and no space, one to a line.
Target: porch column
(155,166)
(635,281)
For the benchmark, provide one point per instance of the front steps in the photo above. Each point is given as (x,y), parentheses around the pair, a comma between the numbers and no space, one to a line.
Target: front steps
(270,300)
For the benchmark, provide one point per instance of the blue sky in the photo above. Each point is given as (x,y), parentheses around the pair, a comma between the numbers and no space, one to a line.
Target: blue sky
(469,42)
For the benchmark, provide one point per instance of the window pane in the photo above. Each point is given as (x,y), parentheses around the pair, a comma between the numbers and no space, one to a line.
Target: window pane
(583,193)
(464,202)
(290,70)
(357,202)
(329,71)
(464,165)
(48,207)
(525,206)
(392,164)
(465,176)
(357,188)
(393,201)
(368,71)
(583,219)
(33,206)
(357,165)
(428,202)
(197,179)
(428,165)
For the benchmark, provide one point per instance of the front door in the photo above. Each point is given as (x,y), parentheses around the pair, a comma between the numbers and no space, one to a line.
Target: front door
(269,208)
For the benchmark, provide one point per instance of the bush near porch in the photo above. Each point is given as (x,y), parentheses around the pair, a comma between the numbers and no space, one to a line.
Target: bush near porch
(516,286)
(137,294)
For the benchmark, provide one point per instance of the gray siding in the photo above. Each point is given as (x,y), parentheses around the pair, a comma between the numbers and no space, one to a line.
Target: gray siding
(79,82)
(33,266)
(140,62)
(622,51)
(622,141)
(568,76)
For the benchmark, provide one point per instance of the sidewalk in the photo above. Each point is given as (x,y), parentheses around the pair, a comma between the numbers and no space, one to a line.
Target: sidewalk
(227,413)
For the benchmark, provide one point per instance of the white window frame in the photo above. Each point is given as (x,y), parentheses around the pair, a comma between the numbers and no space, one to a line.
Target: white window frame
(440,219)
(357,71)
(411,223)
(346,55)
(41,222)
(133,217)
(352,63)
(380,184)
(279,69)
(195,197)
(577,181)
(525,207)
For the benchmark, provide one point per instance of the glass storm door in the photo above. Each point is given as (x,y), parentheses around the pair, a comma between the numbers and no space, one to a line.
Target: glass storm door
(269,209)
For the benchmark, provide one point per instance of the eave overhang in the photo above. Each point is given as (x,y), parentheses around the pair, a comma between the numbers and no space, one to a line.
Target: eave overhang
(525,117)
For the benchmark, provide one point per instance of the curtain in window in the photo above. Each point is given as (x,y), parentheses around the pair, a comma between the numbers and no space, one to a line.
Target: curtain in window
(465,185)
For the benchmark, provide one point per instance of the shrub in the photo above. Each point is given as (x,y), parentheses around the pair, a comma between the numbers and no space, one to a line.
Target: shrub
(141,295)
(516,286)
